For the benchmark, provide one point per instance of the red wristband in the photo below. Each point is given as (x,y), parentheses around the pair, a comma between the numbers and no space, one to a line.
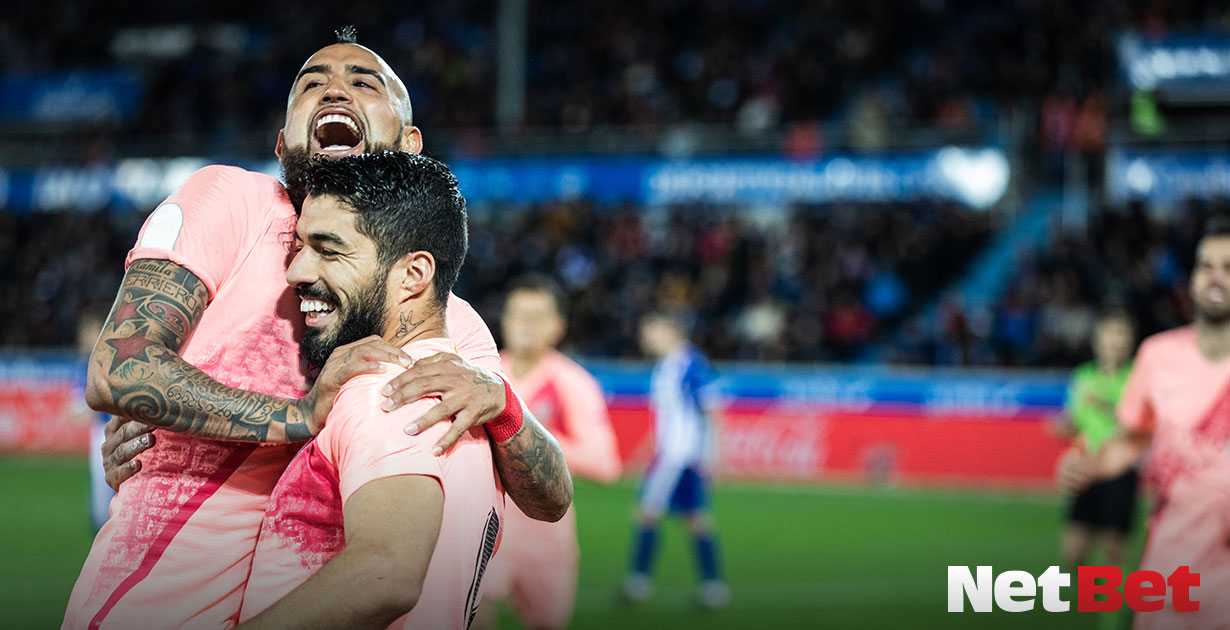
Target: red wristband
(509,421)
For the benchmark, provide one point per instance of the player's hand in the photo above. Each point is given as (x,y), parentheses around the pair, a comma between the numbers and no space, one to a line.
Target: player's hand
(123,440)
(1117,456)
(468,394)
(365,356)
(1076,470)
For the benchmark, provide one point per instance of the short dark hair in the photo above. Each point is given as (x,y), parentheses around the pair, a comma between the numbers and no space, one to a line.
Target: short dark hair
(405,202)
(1116,314)
(1217,225)
(539,283)
(671,318)
(347,34)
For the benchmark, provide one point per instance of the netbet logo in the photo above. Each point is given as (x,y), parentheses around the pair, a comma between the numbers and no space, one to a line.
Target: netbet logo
(1097,590)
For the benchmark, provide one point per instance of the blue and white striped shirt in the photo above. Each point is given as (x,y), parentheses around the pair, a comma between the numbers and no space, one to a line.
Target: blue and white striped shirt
(680,395)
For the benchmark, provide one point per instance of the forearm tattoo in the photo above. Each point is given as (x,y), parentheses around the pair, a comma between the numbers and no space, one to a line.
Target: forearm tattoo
(159,305)
(534,473)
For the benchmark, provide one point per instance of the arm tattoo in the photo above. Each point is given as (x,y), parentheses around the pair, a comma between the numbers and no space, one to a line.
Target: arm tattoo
(159,305)
(533,471)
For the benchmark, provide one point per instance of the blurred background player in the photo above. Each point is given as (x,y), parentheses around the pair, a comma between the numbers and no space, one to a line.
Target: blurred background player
(1176,406)
(1105,507)
(98,493)
(677,481)
(535,569)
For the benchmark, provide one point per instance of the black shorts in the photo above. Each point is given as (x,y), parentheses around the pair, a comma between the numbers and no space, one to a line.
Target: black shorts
(1109,504)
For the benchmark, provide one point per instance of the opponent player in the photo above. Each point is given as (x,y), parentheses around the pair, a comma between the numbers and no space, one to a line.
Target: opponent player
(536,567)
(1106,508)
(204,314)
(677,480)
(1177,405)
(384,528)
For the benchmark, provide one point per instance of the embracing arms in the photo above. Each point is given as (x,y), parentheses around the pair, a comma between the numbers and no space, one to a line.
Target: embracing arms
(392,525)
(135,370)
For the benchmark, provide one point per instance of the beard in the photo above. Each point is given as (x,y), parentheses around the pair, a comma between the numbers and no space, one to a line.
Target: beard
(363,318)
(297,161)
(1216,316)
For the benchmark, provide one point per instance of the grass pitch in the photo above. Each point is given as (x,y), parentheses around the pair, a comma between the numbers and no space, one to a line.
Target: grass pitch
(795,556)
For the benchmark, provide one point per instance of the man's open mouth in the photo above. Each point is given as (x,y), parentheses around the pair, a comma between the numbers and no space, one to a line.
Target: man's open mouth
(337,133)
(316,311)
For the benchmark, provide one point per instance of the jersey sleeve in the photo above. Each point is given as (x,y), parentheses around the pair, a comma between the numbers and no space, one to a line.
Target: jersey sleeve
(204,226)
(1135,409)
(1076,403)
(698,383)
(588,440)
(366,443)
(468,330)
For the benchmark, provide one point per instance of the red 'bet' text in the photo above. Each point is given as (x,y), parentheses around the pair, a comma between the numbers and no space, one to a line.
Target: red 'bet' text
(1097,590)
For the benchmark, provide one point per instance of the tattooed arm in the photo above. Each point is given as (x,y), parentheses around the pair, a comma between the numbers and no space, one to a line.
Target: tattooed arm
(533,471)
(135,369)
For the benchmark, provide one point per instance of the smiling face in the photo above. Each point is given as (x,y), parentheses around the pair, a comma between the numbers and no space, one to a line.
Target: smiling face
(338,277)
(345,101)
(1210,285)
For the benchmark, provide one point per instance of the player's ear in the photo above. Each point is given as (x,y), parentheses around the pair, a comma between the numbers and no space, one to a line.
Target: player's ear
(414,273)
(278,148)
(411,139)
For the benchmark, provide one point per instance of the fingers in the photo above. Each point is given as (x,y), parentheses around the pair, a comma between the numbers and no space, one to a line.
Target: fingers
(357,367)
(1075,471)
(443,357)
(439,375)
(374,348)
(371,349)
(405,388)
(133,429)
(120,429)
(117,422)
(443,411)
(120,474)
(112,425)
(130,440)
(460,426)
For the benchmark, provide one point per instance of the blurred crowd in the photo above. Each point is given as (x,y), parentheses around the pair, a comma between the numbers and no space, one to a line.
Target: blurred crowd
(1126,259)
(54,267)
(224,66)
(841,282)
(837,283)
(808,283)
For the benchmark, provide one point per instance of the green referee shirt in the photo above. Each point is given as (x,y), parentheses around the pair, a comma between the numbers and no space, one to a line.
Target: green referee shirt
(1092,398)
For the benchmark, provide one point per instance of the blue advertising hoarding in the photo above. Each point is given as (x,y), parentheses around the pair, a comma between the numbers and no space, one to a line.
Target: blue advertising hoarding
(975,177)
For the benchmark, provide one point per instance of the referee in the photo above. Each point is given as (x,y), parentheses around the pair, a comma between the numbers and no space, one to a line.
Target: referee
(1106,507)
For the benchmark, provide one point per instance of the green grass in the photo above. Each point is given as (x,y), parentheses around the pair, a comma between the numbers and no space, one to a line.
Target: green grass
(796,556)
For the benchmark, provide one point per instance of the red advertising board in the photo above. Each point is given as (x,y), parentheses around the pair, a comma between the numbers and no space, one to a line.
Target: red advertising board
(764,442)
(43,417)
